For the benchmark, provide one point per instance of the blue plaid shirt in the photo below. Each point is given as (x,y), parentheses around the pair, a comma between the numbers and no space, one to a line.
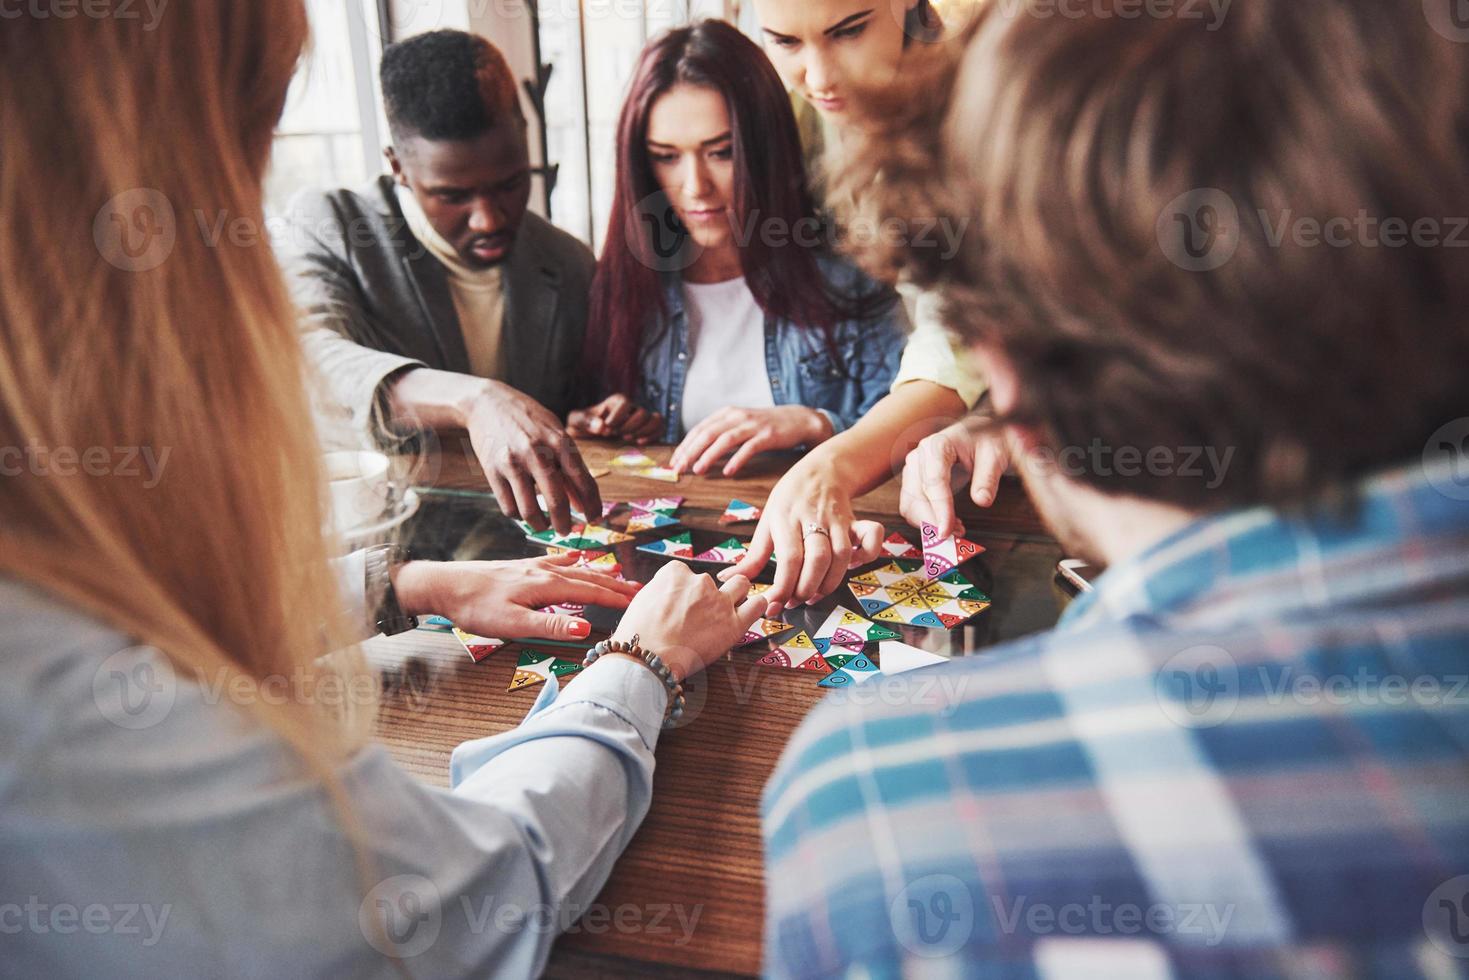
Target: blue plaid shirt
(1245,754)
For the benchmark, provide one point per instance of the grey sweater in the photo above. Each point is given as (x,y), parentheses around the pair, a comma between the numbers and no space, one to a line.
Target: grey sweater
(150,827)
(374,300)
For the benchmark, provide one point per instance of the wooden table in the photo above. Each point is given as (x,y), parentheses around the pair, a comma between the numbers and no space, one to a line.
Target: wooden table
(698,853)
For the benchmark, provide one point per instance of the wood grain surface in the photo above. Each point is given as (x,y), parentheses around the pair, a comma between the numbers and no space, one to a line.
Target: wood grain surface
(686,898)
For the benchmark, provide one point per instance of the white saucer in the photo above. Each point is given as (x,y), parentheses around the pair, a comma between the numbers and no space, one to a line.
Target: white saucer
(362,535)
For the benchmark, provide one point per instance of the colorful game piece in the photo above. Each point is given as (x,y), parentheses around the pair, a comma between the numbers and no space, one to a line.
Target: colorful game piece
(639,464)
(602,561)
(941,556)
(647,520)
(726,553)
(897,546)
(667,506)
(536,668)
(478,647)
(600,534)
(633,461)
(760,588)
(895,593)
(852,673)
(899,658)
(607,508)
(583,537)
(678,546)
(565,609)
(848,629)
(435,623)
(531,669)
(763,629)
(797,652)
(738,511)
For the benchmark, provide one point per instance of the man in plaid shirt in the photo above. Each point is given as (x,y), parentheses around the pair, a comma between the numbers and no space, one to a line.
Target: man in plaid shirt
(1246,753)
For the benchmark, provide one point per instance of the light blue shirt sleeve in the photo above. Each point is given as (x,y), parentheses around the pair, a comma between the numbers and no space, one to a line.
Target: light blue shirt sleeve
(162,830)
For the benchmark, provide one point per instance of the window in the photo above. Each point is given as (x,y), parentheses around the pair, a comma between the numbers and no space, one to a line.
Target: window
(330,134)
(592,46)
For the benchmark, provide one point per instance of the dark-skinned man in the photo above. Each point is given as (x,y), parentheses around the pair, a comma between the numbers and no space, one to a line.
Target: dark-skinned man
(434,297)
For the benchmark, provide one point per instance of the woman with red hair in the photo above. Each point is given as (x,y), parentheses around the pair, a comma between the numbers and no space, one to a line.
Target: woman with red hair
(720,316)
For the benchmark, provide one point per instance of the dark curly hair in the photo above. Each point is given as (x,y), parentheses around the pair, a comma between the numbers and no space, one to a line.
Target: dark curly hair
(446,85)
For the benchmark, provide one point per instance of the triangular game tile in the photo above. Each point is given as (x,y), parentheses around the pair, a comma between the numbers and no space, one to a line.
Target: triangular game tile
(794,651)
(815,663)
(602,561)
(565,609)
(646,520)
(678,546)
(763,629)
(897,546)
(667,506)
(633,461)
(943,555)
(855,671)
(898,658)
(725,553)
(478,647)
(532,668)
(738,511)
(601,535)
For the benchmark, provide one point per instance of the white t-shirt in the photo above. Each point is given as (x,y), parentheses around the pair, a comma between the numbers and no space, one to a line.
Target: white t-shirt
(726,350)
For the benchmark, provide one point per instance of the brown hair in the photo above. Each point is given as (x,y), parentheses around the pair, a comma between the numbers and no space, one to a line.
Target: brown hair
(1126,184)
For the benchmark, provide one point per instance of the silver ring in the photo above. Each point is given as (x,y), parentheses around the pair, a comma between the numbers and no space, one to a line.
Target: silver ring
(815,529)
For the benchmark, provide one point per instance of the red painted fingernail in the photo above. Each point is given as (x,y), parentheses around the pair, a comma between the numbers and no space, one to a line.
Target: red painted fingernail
(581,629)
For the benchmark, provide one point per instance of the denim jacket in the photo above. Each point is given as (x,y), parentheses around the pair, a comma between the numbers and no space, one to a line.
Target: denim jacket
(801,368)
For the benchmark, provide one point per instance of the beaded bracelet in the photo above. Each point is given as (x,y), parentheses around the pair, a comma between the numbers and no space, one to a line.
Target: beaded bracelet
(654,663)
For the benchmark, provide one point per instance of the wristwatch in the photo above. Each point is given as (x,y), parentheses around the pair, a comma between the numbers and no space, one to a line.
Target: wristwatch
(389,618)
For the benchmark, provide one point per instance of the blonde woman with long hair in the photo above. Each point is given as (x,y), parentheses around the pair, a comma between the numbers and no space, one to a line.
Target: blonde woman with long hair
(163,810)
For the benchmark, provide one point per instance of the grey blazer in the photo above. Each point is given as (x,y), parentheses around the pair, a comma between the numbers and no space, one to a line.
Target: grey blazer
(375,300)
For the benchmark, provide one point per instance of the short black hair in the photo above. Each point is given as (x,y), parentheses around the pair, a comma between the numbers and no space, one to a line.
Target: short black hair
(446,85)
